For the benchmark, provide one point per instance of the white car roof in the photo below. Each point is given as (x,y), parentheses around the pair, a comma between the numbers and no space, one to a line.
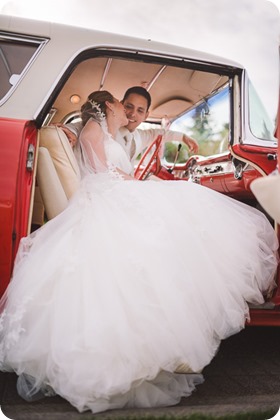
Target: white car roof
(64,44)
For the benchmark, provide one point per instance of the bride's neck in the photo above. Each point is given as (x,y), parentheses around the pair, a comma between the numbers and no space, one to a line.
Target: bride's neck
(113,127)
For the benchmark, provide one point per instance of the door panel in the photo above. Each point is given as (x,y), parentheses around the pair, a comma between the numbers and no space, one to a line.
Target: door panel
(15,190)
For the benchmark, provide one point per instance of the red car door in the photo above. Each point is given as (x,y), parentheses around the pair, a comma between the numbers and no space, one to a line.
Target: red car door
(18,146)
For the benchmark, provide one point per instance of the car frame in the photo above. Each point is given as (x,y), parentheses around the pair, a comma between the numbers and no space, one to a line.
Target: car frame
(45,65)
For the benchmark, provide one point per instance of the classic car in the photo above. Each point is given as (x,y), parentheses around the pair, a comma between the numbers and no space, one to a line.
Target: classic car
(48,70)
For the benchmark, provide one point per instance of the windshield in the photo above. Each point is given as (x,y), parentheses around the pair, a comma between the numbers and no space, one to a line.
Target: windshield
(260,124)
(207,123)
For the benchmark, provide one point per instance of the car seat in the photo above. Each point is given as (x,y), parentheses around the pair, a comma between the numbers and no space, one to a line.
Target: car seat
(58,174)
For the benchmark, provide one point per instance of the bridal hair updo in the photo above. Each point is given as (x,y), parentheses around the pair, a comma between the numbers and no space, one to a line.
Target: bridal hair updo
(95,106)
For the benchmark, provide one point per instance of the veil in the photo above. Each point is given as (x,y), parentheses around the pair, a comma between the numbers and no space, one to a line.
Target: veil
(96,151)
(86,155)
(93,157)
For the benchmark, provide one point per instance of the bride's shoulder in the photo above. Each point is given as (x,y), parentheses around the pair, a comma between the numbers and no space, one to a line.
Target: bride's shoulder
(90,129)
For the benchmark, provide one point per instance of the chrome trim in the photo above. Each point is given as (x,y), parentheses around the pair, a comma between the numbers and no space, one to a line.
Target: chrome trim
(30,158)
(49,116)
(106,71)
(156,76)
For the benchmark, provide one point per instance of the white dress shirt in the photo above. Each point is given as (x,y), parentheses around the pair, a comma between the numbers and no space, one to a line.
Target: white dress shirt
(143,138)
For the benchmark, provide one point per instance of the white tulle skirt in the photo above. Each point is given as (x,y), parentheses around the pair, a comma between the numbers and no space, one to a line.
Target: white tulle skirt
(131,281)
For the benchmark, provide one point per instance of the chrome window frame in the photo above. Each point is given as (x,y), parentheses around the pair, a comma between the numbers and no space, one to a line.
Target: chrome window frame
(40,42)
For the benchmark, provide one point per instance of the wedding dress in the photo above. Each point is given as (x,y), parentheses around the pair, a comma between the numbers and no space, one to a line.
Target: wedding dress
(131,281)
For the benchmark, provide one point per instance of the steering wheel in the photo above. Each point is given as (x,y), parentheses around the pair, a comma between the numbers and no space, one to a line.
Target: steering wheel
(141,173)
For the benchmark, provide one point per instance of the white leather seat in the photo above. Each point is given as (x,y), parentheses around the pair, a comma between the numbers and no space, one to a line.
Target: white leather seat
(58,174)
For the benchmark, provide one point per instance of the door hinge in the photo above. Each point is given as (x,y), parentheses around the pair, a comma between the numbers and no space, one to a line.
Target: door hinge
(30,158)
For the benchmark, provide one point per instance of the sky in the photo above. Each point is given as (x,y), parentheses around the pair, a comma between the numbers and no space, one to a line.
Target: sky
(246,31)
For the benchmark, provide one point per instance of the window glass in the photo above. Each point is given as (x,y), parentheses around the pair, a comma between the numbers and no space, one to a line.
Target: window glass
(260,124)
(207,123)
(15,54)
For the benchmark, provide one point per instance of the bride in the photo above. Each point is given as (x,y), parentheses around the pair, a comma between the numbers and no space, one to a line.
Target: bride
(131,282)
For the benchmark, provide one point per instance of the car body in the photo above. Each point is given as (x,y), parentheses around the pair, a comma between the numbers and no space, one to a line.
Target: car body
(48,70)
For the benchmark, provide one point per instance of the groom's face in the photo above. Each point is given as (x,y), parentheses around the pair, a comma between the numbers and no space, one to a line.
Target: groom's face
(136,110)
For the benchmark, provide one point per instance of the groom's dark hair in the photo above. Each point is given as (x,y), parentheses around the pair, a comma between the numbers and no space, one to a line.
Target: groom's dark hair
(139,90)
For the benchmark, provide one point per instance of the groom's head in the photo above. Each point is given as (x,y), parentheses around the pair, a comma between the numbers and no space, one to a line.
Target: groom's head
(136,102)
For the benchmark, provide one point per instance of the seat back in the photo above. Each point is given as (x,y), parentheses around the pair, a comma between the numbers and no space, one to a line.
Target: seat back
(58,174)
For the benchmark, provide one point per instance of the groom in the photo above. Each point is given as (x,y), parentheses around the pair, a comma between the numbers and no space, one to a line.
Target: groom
(136,102)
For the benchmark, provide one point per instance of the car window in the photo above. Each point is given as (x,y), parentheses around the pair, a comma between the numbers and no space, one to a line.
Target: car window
(15,56)
(207,123)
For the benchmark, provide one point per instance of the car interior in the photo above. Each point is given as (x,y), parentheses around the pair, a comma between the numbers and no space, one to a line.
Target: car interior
(189,97)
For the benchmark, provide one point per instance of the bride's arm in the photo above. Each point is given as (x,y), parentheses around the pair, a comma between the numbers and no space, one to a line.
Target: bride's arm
(125,175)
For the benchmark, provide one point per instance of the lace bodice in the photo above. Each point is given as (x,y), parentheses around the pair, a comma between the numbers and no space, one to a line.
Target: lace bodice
(117,156)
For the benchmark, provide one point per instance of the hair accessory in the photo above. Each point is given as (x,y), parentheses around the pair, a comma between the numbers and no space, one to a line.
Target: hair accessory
(98,114)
